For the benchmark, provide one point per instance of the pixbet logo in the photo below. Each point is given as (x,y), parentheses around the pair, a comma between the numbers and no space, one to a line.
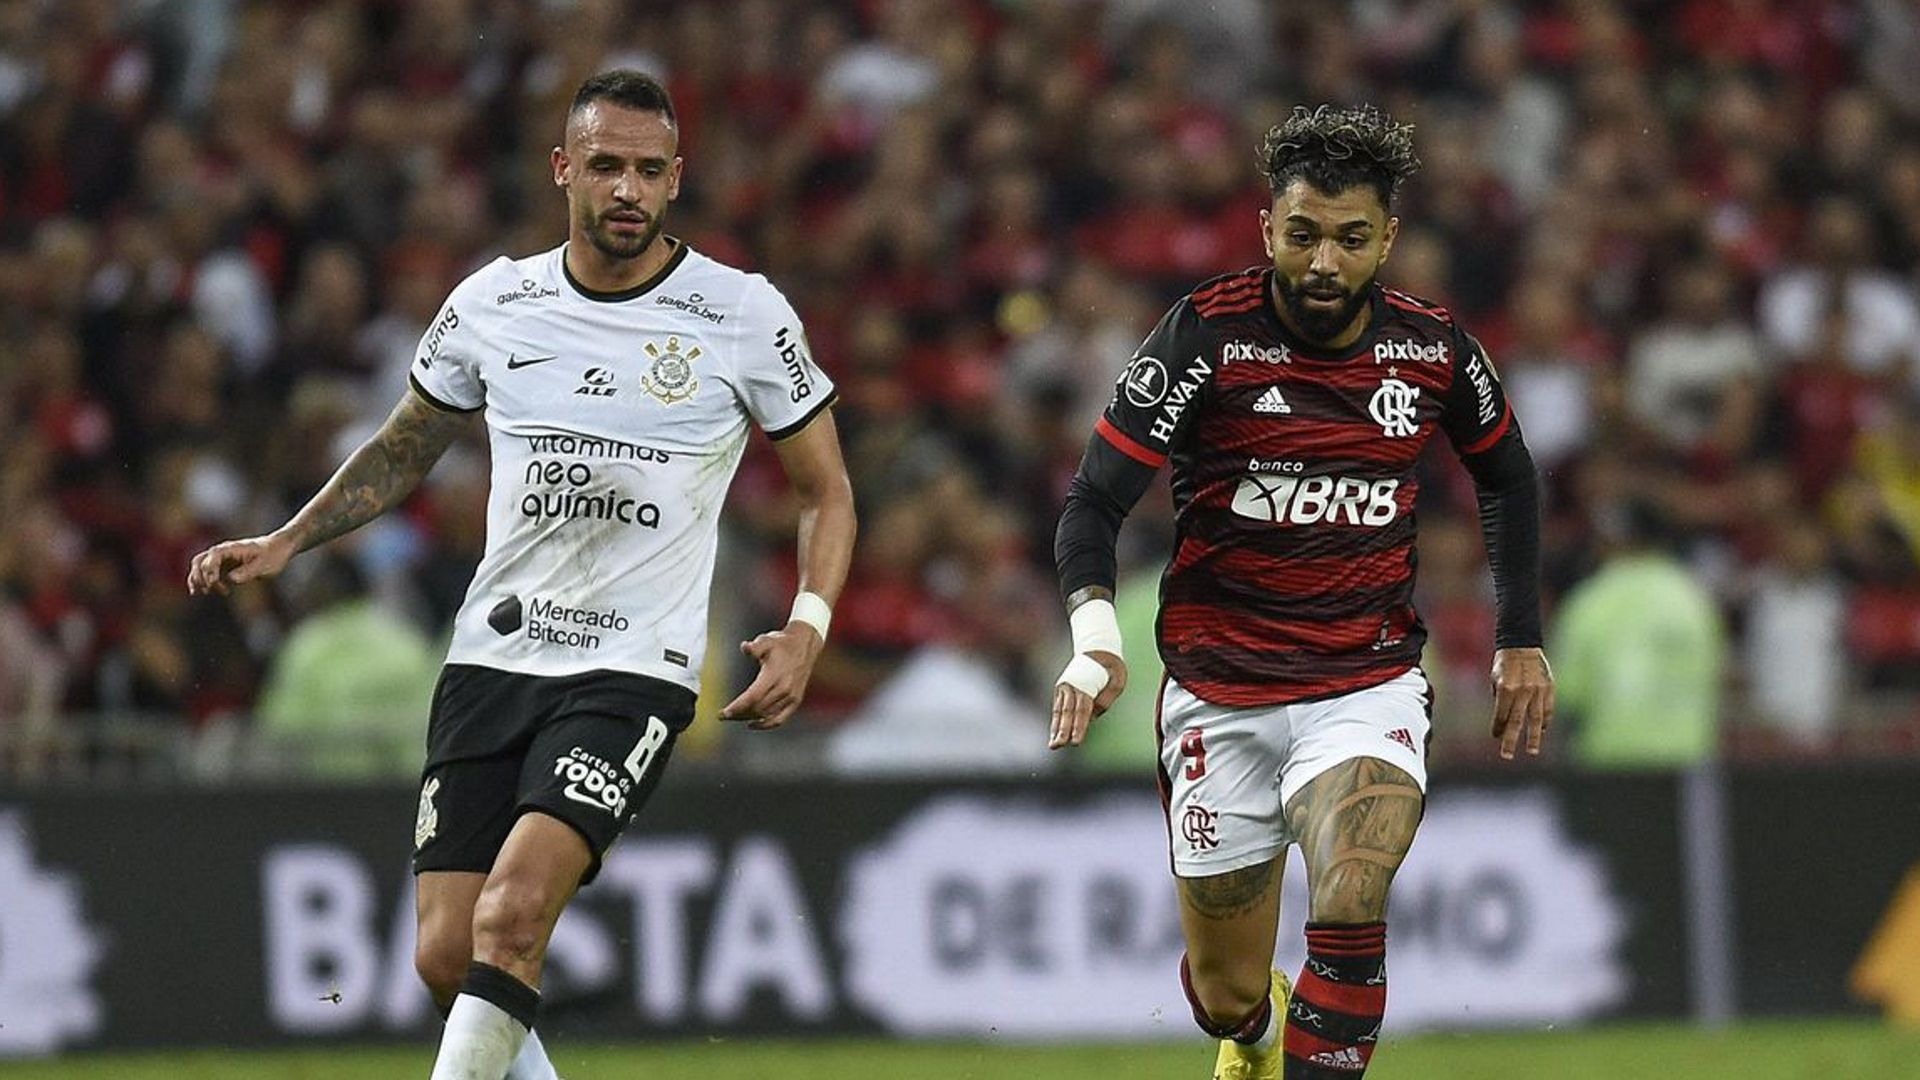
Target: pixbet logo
(1387,352)
(1246,351)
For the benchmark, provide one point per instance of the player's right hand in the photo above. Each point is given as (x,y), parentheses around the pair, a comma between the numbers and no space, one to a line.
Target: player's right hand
(236,561)
(1074,709)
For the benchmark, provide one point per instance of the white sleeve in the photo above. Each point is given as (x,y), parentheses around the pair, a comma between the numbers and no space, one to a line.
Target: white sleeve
(778,380)
(446,365)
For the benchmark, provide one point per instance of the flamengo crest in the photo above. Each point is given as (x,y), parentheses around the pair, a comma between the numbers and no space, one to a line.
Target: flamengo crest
(1392,408)
(671,378)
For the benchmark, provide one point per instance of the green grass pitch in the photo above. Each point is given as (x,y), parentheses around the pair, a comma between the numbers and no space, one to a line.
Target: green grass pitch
(1801,1050)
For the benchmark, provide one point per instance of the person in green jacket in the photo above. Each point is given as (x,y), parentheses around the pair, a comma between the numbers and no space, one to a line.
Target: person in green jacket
(347,696)
(1639,650)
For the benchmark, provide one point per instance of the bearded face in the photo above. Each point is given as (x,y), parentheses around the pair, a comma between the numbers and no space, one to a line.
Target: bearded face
(1326,251)
(619,171)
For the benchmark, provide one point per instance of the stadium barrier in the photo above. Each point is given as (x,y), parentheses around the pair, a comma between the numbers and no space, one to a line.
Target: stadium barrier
(273,915)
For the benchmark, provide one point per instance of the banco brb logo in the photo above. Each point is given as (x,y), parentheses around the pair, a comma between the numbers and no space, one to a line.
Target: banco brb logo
(47,951)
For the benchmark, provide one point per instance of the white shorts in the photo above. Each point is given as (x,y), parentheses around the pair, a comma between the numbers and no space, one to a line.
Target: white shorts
(1229,772)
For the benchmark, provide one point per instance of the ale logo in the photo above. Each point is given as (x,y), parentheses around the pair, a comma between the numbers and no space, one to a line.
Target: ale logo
(47,951)
(1889,971)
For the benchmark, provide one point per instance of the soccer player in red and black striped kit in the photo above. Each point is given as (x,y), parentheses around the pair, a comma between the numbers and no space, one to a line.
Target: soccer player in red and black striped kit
(1291,403)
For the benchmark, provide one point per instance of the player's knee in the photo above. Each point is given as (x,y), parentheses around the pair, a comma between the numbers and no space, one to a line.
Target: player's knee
(1227,991)
(1342,901)
(442,965)
(1351,909)
(510,920)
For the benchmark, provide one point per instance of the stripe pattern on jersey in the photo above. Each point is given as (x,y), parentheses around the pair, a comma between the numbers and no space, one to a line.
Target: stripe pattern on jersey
(1292,577)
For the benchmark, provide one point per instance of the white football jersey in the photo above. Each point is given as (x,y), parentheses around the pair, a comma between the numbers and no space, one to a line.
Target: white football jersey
(616,422)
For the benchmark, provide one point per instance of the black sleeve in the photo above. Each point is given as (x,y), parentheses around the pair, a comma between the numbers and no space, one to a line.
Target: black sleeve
(1508,490)
(1104,488)
(1150,411)
(1487,437)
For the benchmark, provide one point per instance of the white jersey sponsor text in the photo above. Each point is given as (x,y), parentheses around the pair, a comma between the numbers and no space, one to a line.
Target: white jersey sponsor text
(616,422)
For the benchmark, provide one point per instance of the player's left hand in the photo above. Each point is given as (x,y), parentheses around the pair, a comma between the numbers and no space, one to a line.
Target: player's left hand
(1522,699)
(786,663)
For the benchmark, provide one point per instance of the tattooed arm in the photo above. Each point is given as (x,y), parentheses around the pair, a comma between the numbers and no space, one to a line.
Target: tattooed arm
(382,472)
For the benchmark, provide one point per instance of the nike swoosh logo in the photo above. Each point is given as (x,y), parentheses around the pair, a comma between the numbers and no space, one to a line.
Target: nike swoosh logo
(514,363)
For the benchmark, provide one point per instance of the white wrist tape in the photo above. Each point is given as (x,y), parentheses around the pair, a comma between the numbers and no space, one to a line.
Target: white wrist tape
(1096,628)
(1084,674)
(809,608)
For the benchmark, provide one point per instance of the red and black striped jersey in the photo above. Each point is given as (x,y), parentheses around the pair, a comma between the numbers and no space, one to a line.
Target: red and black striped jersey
(1293,477)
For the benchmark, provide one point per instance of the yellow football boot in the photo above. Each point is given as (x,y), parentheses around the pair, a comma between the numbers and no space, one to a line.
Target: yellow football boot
(1238,1061)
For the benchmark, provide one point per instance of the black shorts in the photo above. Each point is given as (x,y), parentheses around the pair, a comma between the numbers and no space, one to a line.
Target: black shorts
(587,749)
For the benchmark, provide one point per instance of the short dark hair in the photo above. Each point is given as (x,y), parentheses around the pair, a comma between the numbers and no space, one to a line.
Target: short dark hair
(625,87)
(1336,149)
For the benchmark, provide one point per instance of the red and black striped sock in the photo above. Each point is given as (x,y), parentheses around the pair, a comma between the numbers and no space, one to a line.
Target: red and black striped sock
(1249,1029)
(1333,1019)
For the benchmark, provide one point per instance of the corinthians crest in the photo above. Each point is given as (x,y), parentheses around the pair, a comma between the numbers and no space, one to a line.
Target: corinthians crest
(427,822)
(671,378)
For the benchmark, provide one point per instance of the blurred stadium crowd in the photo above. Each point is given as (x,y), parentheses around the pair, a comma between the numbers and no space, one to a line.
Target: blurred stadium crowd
(1687,232)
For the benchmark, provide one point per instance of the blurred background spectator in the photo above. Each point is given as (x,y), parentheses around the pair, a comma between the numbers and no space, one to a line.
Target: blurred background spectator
(1639,651)
(1688,233)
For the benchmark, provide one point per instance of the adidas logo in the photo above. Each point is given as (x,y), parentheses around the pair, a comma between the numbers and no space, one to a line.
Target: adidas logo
(1403,737)
(1344,1058)
(1272,402)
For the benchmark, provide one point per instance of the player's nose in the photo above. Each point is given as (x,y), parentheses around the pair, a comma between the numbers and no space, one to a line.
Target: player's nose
(1326,259)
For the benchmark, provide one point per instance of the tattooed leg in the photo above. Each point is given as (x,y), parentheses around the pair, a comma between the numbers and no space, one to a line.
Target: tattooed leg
(1230,920)
(1354,823)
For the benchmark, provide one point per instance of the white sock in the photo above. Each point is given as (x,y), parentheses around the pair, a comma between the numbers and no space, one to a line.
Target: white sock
(479,1043)
(532,1064)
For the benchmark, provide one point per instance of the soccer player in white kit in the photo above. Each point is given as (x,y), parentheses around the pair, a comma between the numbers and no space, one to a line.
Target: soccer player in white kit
(619,374)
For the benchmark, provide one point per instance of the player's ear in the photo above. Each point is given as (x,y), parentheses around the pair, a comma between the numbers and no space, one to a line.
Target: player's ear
(559,161)
(1386,238)
(1266,231)
(673,180)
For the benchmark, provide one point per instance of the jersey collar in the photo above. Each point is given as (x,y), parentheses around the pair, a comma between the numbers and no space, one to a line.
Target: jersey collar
(673,262)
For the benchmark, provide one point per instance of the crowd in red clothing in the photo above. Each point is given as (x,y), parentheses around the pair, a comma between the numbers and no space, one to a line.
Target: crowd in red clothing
(1687,232)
